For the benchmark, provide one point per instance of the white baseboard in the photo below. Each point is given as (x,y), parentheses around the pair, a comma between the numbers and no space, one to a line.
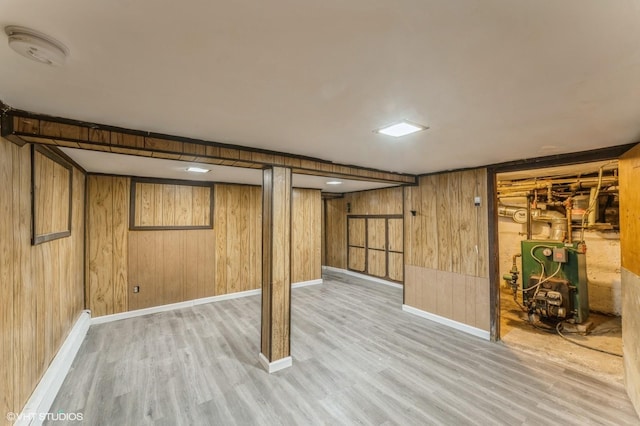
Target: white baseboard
(34,412)
(448,322)
(274,366)
(306,283)
(363,276)
(172,306)
(189,303)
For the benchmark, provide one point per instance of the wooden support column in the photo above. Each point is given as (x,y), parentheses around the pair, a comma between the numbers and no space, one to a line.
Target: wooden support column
(276,269)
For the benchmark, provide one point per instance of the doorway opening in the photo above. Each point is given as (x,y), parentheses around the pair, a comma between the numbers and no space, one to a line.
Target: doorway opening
(559,260)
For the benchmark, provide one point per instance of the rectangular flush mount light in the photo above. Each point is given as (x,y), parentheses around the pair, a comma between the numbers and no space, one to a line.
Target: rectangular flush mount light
(402,128)
(197,170)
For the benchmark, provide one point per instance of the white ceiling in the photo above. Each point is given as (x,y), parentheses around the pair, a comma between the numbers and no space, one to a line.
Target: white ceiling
(129,165)
(495,80)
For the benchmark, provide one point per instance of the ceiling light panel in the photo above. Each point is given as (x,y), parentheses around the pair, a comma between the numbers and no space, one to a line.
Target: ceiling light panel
(402,128)
(197,170)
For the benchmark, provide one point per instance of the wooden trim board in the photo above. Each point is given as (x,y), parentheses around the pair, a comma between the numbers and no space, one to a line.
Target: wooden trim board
(47,389)
(363,276)
(22,126)
(189,303)
(43,238)
(274,366)
(448,322)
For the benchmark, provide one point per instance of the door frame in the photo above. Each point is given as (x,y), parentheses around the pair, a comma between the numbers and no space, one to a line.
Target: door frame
(610,153)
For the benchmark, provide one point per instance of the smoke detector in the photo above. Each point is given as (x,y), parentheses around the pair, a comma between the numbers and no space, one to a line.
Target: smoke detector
(36,46)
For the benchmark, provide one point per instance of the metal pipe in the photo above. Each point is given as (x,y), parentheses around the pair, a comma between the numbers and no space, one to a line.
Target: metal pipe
(582,183)
(593,213)
(556,220)
(529,217)
(569,230)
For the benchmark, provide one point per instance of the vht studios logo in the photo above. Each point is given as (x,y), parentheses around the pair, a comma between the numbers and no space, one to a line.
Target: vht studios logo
(58,416)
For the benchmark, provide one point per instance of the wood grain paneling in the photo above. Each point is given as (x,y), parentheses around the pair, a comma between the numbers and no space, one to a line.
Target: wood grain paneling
(449,232)
(171,205)
(104,138)
(107,240)
(357,232)
(170,266)
(377,263)
(448,237)
(396,266)
(376,233)
(386,201)
(629,169)
(631,334)
(7,283)
(336,233)
(52,182)
(276,276)
(306,228)
(238,247)
(357,258)
(395,237)
(41,285)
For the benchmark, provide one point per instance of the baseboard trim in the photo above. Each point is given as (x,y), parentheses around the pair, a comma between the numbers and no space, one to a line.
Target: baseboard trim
(172,306)
(363,276)
(274,366)
(190,303)
(47,389)
(448,322)
(306,283)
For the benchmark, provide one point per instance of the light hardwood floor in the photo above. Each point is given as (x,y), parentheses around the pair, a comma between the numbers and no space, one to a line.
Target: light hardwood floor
(357,359)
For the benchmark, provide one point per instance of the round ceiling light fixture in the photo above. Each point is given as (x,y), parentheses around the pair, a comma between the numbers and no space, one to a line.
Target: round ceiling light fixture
(36,46)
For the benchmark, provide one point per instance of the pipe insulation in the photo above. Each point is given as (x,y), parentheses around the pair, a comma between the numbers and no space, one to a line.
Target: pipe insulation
(556,220)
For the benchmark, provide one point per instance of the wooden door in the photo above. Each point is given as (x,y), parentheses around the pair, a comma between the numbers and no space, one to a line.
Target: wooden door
(395,249)
(356,244)
(377,247)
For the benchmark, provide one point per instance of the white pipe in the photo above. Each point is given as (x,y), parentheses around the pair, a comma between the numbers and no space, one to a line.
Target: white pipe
(555,219)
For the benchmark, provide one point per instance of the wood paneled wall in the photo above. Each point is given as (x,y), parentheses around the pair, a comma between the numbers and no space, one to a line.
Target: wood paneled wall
(238,228)
(629,168)
(336,233)
(51,195)
(107,244)
(176,265)
(41,287)
(306,231)
(169,205)
(446,247)
(170,266)
(386,201)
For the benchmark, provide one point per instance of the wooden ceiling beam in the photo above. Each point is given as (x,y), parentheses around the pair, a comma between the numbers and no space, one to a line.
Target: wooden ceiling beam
(21,127)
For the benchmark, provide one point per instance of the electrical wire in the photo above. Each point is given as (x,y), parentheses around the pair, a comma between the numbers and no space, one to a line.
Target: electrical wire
(559,326)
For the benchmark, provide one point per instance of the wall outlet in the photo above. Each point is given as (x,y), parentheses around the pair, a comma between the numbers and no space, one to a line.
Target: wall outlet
(476,201)
(136,289)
